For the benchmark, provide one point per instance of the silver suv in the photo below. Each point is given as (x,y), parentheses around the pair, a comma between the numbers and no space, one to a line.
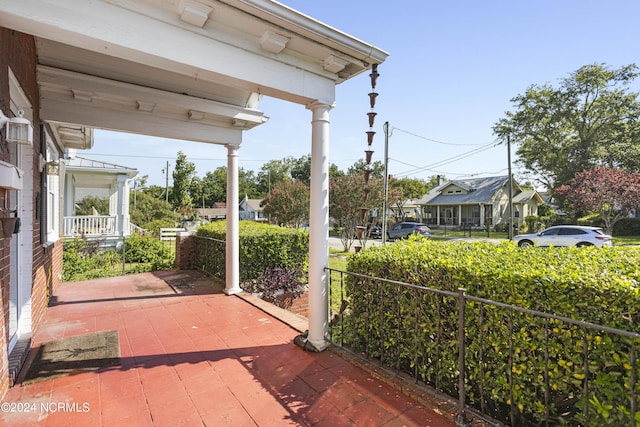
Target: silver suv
(402,230)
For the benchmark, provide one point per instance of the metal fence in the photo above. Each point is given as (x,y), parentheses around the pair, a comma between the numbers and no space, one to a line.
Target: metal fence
(209,255)
(511,364)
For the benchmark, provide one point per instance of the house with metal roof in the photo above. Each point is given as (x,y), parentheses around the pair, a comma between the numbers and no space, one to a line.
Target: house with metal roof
(87,177)
(477,203)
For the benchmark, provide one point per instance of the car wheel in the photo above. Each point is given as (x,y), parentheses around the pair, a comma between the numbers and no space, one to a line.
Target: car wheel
(525,243)
(584,244)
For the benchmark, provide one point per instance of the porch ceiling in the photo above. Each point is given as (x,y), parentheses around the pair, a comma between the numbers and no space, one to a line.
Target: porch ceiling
(187,69)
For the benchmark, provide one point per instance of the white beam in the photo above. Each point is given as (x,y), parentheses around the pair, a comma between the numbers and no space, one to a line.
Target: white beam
(165,43)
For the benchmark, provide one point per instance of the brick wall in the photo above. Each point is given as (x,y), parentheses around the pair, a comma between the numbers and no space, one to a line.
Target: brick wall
(18,52)
(300,305)
(185,247)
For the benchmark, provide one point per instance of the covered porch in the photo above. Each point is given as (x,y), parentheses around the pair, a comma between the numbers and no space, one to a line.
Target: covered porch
(196,71)
(478,215)
(190,355)
(86,177)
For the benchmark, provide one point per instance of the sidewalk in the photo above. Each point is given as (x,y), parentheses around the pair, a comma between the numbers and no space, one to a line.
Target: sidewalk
(192,356)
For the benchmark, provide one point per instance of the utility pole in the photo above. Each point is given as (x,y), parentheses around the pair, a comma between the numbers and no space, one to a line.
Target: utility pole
(166,183)
(510,227)
(386,182)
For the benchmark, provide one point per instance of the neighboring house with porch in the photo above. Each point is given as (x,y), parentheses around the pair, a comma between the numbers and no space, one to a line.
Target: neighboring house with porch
(193,70)
(477,203)
(250,209)
(87,177)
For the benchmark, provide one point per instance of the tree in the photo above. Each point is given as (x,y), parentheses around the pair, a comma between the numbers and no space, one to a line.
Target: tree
(183,175)
(345,201)
(611,193)
(288,203)
(89,205)
(590,120)
(377,168)
(149,208)
(214,186)
(274,172)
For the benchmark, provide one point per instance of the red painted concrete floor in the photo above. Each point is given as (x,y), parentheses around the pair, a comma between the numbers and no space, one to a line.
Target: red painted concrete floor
(193,356)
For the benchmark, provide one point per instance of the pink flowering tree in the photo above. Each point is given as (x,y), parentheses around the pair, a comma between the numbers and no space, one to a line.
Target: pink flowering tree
(611,193)
(288,203)
(345,201)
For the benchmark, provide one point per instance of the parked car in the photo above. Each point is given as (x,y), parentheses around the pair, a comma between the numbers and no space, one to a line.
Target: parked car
(565,235)
(374,231)
(402,230)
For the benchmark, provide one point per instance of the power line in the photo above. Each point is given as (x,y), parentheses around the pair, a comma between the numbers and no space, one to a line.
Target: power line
(432,140)
(449,160)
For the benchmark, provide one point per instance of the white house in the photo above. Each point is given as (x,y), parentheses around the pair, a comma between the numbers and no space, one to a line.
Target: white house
(92,177)
(250,209)
(477,202)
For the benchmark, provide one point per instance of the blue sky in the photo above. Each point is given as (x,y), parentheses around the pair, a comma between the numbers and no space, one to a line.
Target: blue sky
(452,70)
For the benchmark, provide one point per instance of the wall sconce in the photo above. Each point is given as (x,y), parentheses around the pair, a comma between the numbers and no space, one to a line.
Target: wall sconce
(52,167)
(19,129)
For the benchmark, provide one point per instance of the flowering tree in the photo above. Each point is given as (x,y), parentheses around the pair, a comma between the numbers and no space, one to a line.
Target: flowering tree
(611,193)
(345,201)
(288,203)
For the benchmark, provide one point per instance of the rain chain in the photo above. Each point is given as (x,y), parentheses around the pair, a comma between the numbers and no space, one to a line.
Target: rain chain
(361,229)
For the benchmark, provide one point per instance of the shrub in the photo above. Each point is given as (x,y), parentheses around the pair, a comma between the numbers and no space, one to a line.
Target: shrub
(279,286)
(148,249)
(263,246)
(155,225)
(590,284)
(83,259)
(627,227)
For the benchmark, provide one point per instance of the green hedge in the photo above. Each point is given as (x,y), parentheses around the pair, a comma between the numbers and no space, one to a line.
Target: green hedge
(416,331)
(627,227)
(263,246)
(84,259)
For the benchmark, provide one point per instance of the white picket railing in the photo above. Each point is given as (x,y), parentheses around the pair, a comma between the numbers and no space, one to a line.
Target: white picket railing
(89,225)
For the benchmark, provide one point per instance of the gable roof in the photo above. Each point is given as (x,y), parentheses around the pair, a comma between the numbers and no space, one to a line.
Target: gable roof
(527,195)
(254,204)
(479,190)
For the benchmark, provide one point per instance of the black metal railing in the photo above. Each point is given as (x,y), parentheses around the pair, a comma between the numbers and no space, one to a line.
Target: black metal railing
(209,255)
(512,364)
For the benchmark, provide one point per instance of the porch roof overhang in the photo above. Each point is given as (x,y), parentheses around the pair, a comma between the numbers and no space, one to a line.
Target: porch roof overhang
(188,69)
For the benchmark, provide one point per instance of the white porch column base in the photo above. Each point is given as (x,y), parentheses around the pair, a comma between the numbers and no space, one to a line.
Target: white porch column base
(232,266)
(319,226)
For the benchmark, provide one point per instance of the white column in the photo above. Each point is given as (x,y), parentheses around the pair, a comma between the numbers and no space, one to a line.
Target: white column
(120,205)
(232,266)
(459,215)
(319,225)
(482,214)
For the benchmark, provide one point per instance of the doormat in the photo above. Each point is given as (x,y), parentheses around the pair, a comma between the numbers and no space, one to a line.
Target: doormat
(74,355)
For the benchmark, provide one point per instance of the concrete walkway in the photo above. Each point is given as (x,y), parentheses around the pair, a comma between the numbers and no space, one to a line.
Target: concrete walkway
(192,356)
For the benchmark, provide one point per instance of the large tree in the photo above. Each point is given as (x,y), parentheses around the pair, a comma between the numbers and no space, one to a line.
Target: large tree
(288,203)
(183,175)
(345,200)
(611,193)
(590,120)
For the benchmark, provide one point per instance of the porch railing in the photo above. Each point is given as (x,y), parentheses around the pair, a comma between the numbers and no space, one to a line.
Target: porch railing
(569,372)
(209,256)
(89,225)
